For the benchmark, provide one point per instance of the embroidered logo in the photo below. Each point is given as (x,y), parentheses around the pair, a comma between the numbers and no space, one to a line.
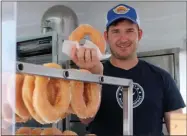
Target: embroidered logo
(121,9)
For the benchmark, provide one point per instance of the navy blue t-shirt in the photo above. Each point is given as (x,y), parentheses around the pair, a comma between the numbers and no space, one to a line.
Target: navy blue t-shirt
(154,92)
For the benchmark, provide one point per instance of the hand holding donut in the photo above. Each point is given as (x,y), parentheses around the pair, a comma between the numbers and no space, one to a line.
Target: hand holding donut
(87,58)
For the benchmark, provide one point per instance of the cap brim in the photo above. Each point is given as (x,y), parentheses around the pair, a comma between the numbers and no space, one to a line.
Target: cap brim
(120,17)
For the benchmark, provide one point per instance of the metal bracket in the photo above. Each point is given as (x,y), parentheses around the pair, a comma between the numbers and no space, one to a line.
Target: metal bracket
(69,74)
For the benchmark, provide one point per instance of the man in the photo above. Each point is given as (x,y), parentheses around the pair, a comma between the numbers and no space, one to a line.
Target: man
(155,94)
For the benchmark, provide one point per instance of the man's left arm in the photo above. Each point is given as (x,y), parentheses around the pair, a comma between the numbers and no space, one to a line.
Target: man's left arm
(173,101)
(167,117)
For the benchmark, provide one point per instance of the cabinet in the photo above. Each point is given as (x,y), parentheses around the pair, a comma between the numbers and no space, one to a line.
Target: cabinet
(167,59)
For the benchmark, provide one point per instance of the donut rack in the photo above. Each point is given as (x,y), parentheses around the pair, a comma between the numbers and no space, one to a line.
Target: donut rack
(68,74)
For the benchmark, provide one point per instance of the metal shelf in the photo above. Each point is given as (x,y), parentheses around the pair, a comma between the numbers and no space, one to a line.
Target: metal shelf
(69,74)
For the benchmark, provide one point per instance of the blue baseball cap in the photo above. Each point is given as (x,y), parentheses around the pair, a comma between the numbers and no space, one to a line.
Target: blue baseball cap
(122,11)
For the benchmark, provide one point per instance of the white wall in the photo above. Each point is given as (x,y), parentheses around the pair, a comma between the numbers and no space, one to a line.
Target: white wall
(163,26)
(182,69)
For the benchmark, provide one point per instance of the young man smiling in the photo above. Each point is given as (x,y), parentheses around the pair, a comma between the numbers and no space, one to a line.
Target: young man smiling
(155,94)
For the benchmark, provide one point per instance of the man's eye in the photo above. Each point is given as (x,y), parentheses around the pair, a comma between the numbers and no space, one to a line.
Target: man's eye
(115,31)
(130,30)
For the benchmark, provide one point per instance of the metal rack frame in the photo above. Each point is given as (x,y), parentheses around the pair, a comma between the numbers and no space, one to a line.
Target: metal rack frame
(69,74)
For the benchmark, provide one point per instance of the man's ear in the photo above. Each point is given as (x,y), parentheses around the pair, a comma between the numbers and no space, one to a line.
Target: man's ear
(140,34)
(106,35)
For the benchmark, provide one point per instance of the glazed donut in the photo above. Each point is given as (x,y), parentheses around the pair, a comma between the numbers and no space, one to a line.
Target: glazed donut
(20,120)
(24,131)
(86,98)
(95,36)
(51,131)
(20,108)
(27,96)
(69,133)
(70,110)
(36,131)
(49,112)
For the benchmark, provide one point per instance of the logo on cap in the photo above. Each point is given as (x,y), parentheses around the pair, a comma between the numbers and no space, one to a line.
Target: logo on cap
(121,10)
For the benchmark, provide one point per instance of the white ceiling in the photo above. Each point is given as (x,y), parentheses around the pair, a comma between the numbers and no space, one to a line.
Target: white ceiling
(163,23)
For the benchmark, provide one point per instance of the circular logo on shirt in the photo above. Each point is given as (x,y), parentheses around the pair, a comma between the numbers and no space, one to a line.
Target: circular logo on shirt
(138,95)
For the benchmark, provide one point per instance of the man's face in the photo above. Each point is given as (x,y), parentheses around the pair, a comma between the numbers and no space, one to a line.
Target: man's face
(123,39)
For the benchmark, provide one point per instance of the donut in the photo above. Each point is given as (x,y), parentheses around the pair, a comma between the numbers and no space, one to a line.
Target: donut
(51,112)
(27,96)
(86,98)
(36,131)
(70,110)
(20,120)
(17,102)
(95,36)
(69,133)
(51,131)
(24,131)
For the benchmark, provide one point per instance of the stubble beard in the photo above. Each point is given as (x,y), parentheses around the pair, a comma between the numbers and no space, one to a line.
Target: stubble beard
(121,57)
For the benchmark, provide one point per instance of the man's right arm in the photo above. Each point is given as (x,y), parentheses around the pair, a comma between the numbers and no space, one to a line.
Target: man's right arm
(87,58)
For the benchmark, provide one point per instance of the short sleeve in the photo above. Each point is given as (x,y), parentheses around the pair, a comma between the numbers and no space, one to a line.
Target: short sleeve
(172,97)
